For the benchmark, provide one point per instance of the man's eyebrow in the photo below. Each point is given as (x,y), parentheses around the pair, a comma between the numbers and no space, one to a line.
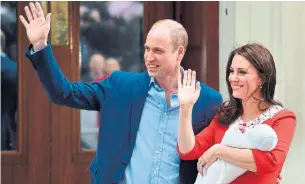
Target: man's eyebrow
(154,48)
(159,48)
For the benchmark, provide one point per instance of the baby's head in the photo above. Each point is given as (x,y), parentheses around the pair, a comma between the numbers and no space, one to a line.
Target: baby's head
(262,137)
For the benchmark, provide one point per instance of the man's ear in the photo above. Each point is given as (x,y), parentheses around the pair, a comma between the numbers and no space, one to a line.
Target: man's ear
(180,53)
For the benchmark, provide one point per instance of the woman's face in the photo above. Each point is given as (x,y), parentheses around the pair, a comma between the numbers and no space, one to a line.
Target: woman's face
(244,79)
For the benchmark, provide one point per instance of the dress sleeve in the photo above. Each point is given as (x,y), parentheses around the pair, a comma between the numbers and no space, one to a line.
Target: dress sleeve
(284,127)
(203,141)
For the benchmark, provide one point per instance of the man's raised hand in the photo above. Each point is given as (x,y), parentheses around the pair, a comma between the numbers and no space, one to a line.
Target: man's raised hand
(37,27)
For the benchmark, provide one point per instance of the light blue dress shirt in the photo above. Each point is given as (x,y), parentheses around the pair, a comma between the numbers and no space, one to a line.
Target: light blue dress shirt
(155,159)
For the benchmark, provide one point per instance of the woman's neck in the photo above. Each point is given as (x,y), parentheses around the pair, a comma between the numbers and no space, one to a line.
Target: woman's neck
(252,109)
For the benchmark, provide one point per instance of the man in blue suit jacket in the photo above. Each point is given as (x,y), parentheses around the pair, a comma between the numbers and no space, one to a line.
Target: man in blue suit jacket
(8,99)
(138,130)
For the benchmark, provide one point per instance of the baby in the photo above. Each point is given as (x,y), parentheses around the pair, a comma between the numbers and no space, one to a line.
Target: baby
(262,137)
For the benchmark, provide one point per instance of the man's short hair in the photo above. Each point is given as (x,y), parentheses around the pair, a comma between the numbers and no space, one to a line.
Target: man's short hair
(178,34)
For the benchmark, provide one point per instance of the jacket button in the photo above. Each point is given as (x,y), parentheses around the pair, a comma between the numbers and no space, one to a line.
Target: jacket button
(124,163)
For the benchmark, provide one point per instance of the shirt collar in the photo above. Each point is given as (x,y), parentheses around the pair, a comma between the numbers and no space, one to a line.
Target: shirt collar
(153,81)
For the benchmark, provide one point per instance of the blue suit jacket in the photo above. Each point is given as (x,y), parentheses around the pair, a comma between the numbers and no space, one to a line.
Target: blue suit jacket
(8,102)
(120,99)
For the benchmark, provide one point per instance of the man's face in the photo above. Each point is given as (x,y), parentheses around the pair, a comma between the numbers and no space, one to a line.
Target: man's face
(161,59)
(97,66)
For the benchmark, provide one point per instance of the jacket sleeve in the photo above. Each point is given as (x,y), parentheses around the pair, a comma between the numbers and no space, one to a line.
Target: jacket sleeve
(284,127)
(60,90)
(203,141)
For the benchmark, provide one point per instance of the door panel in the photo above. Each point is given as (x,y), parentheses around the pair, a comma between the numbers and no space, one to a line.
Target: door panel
(31,162)
(200,19)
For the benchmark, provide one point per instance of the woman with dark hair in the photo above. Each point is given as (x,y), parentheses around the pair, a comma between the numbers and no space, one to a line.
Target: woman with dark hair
(251,80)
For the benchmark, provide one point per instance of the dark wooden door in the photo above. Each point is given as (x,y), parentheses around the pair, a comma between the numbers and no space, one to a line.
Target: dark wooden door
(31,162)
(200,19)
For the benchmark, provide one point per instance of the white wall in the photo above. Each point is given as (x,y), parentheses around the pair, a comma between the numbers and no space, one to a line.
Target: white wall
(280,26)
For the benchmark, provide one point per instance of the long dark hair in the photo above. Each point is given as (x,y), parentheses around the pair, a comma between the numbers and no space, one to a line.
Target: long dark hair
(262,60)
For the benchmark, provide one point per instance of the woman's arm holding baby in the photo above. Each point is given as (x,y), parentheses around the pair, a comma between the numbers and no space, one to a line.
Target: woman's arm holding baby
(240,157)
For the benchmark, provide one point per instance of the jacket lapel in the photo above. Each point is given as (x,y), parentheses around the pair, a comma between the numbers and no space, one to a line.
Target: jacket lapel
(140,91)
